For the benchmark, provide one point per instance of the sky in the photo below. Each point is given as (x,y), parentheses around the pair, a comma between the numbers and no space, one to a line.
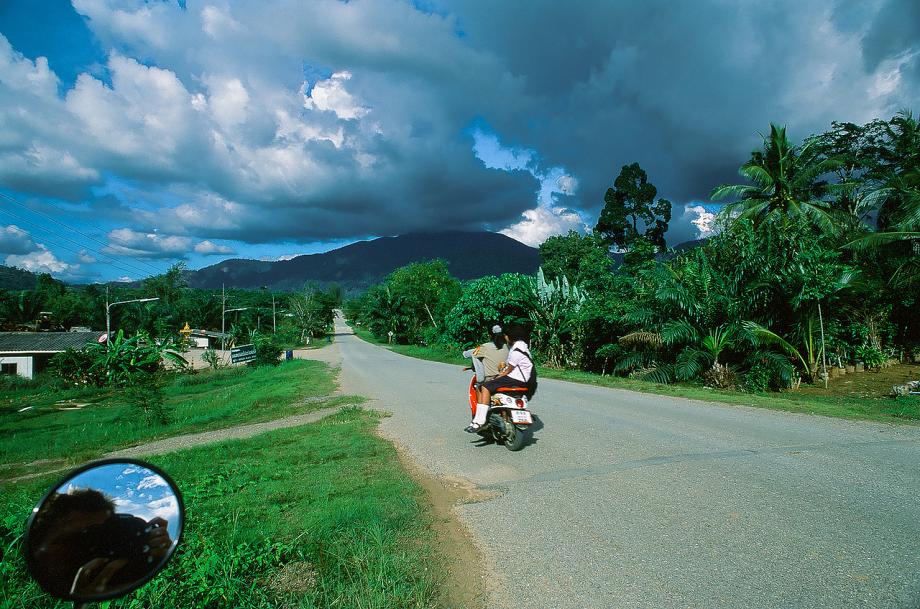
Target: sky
(134,135)
(133,489)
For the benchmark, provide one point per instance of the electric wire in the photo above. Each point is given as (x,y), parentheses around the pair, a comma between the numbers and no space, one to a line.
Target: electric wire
(58,222)
(35,228)
(121,264)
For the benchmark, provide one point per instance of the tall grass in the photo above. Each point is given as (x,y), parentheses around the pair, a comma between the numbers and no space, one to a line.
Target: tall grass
(208,400)
(315,516)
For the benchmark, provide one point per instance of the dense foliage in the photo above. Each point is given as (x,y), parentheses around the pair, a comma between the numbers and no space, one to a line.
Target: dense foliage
(816,263)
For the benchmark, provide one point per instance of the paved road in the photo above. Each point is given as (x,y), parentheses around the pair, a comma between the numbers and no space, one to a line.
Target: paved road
(634,500)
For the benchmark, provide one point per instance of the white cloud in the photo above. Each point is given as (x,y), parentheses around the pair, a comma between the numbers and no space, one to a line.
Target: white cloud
(146,116)
(543,222)
(331,95)
(128,242)
(41,260)
(217,22)
(85,257)
(705,221)
(228,101)
(210,248)
(152,481)
(149,24)
(207,101)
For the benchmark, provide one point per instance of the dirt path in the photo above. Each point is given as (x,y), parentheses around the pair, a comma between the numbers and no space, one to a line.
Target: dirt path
(174,443)
(165,445)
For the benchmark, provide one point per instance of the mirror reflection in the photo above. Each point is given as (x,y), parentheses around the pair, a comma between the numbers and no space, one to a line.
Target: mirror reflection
(104,531)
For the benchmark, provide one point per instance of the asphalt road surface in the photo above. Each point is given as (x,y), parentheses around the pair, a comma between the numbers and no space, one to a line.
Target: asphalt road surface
(636,500)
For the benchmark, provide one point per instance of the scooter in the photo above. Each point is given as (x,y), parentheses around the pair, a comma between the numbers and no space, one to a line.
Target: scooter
(103,531)
(509,420)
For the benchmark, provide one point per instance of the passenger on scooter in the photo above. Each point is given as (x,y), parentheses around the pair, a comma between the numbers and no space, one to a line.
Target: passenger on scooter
(516,373)
(489,356)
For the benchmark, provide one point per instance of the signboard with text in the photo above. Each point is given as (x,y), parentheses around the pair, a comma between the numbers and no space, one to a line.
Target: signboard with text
(243,353)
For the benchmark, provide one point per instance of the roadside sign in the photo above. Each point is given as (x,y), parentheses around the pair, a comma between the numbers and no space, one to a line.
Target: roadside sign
(243,353)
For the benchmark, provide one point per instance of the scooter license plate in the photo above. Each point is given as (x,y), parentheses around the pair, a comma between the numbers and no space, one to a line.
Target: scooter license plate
(521,416)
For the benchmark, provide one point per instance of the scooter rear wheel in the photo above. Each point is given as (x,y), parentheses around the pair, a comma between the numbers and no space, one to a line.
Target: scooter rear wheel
(514,437)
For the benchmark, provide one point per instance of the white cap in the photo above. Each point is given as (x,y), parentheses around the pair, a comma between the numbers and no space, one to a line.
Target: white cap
(496,329)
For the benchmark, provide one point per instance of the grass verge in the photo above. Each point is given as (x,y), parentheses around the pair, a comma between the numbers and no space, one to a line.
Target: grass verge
(871,408)
(77,425)
(314,516)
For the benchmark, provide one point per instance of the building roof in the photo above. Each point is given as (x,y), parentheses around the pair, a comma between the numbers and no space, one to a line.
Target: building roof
(45,342)
(208,333)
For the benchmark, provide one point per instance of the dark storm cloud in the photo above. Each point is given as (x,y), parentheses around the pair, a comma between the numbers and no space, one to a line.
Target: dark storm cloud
(683,87)
(205,105)
(894,32)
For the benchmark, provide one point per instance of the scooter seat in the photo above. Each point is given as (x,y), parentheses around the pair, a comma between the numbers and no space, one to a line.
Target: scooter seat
(511,390)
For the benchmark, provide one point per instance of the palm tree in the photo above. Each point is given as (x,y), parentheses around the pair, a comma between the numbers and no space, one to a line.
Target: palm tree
(897,199)
(786,185)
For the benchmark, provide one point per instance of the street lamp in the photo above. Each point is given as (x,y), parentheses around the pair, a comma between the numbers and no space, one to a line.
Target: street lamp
(223,333)
(108,315)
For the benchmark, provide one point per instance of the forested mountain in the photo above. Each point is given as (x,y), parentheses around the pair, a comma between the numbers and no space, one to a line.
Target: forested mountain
(12,278)
(469,255)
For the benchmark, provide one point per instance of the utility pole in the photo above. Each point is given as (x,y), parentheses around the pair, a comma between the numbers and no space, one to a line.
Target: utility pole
(274,324)
(223,314)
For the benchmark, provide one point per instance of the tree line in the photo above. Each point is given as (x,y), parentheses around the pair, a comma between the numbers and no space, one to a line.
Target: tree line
(295,318)
(816,262)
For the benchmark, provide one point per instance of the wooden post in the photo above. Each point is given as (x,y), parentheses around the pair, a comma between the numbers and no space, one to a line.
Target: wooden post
(823,350)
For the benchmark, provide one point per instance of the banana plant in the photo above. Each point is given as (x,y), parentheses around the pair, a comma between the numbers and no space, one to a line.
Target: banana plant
(120,362)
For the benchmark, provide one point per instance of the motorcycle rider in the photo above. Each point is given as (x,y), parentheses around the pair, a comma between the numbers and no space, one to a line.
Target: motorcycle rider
(516,373)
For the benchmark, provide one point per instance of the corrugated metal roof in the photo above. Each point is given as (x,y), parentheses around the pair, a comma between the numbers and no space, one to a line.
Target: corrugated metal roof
(208,333)
(45,342)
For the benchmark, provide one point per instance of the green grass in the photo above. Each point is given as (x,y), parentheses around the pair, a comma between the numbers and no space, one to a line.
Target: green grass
(208,400)
(434,353)
(314,516)
(900,410)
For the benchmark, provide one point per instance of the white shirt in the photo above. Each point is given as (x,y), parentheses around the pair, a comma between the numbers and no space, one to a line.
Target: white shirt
(522,364)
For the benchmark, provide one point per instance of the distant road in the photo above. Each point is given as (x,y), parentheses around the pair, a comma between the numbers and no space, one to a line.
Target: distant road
(635,500)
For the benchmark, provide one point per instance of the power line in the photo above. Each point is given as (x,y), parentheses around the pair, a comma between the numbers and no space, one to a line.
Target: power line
(58,222)
(121,266)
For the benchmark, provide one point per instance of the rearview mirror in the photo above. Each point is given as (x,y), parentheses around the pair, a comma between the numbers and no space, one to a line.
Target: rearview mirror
(104,530)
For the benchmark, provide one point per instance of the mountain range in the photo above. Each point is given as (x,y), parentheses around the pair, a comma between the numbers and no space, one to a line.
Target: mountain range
(355,267)
(469,255)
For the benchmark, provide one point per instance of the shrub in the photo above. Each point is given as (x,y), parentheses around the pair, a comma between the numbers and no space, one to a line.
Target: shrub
(211,358)
(268,350)
(720,376)
(146,393)
(74,367)
(871,356)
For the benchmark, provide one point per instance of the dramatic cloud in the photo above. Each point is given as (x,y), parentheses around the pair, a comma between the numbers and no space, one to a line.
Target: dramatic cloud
(14,240)
(290,121)
(126,242)
(692,221)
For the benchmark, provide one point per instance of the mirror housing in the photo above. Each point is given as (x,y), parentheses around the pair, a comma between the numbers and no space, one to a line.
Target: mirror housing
(105,530)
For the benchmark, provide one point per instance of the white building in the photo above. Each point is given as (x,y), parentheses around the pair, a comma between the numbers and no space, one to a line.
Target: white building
(27,353)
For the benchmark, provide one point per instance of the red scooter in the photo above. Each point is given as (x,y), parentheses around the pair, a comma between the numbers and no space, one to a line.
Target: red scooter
(509,420)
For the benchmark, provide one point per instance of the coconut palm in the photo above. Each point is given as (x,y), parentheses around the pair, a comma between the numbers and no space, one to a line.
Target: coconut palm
(897,200)
(786,184)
